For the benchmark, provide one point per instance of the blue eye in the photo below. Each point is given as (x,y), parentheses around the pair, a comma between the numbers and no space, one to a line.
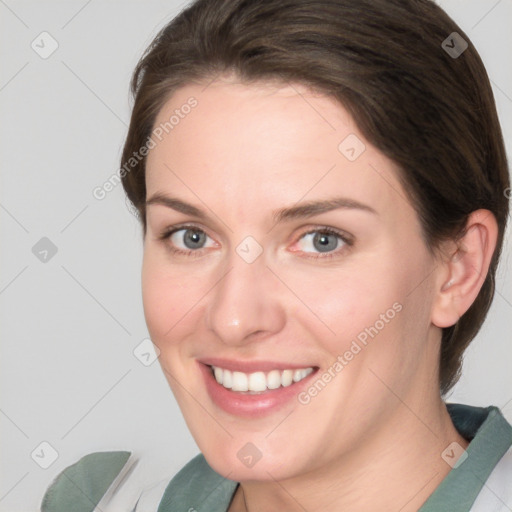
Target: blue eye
(323,241)
(192,239)
(318,243)
(187,240)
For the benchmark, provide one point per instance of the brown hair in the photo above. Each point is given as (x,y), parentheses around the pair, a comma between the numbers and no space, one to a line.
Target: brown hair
(431,112)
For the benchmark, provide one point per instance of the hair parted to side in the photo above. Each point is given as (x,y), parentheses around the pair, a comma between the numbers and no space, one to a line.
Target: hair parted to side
(432,114)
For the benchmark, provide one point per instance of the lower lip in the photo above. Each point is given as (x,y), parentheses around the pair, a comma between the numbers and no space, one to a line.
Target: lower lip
(248,405)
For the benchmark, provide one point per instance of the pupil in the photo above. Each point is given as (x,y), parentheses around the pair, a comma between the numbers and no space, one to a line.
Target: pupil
(324,243)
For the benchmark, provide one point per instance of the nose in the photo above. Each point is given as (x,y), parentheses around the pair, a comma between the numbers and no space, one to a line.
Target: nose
(245,304)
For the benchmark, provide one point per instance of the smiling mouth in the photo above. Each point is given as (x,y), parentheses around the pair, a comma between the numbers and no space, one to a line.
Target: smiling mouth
(258,382)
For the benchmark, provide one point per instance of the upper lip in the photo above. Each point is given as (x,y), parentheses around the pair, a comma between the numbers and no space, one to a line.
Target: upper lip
(252,366)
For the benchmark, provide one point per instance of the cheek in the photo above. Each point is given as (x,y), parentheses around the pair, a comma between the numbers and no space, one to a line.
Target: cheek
(168,300)
(167,296)
(345,304)
(373,312)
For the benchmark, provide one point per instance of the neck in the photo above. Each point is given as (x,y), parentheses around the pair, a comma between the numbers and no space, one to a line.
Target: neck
(396,468)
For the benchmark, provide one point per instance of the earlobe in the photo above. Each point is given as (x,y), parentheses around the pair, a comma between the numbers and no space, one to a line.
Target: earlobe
(464,271)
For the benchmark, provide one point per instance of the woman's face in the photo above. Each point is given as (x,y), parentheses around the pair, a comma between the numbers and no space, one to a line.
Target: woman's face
(293,248)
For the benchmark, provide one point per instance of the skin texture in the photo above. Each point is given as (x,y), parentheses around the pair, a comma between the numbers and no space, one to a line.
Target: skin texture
(376,432)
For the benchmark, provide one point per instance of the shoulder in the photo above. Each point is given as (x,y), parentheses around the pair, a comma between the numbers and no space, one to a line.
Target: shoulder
(482,480)
(496,494)
(88,482)
(108,481)
(196,487)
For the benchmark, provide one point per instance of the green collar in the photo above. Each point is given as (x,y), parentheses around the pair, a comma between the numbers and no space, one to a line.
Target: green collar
(197,487)
(491,436)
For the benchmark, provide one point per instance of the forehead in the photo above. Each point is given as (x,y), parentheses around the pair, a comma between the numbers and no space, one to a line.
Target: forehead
(266,144)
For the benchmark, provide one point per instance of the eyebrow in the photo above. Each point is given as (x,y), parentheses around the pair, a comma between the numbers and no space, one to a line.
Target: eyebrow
(311,208)
(303,210)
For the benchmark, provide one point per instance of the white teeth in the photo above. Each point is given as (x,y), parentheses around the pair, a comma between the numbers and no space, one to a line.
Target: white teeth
(300,374)
(227,378)
(218,375)
(240,382)
(287,378)
(258,382)
(273,379)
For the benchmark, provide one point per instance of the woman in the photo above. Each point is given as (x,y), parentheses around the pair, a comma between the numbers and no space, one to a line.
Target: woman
(322,187)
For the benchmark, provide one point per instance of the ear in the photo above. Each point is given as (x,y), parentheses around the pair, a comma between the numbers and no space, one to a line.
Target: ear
(463,269)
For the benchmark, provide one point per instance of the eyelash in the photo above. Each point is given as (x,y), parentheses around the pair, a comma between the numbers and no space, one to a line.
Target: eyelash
(165,235)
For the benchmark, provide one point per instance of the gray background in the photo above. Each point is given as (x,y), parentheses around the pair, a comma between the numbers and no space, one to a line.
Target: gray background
(69,325)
